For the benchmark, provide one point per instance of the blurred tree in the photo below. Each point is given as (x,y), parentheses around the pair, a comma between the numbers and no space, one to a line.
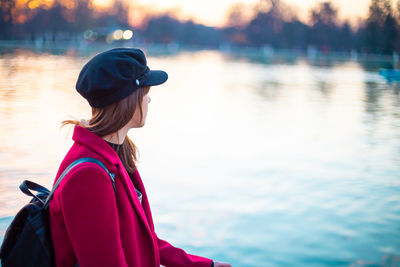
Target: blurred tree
(83,16)
(264,28)
(273,13)
(163,29)
(6,23)
(398,11)
(324,14)
(276,24)
(236,16)
(294,35)
(120,12)
(324,30)
(166,29)
(346,37)
(47,24)
(397,42)
(381,28)
(390,32)
(378,10)
(237,20)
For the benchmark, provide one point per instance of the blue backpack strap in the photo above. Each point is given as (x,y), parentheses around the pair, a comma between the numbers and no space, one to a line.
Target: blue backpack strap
(72,165)
(27,186)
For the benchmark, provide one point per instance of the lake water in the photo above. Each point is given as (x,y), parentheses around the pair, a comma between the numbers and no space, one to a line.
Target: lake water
(252,161)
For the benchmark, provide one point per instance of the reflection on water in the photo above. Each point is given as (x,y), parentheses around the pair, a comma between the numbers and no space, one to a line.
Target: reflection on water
(270,163)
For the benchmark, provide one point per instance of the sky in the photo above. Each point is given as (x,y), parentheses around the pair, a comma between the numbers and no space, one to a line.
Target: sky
(213,12)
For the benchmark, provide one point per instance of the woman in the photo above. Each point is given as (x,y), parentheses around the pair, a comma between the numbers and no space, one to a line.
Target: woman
(91,223)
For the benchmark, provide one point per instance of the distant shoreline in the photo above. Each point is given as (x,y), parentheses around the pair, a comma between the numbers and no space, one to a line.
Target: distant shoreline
(265,52)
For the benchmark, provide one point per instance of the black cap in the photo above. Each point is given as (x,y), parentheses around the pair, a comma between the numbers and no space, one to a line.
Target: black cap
(114,74)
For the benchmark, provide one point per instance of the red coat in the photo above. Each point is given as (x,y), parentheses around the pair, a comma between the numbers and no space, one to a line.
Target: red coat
(97,227)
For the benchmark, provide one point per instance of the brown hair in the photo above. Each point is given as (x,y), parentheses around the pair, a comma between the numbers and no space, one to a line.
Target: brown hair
(110,119)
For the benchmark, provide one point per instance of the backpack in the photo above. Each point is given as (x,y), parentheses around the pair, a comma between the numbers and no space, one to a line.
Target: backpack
(27,241)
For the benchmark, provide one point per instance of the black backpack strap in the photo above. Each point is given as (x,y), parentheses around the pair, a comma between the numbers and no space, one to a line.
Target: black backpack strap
(72,165)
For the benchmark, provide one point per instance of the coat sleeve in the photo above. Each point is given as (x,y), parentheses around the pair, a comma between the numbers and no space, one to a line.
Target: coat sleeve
(171,256)
(90,213)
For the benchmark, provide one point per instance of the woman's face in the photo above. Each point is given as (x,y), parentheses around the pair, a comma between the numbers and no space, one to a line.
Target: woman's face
(135,121)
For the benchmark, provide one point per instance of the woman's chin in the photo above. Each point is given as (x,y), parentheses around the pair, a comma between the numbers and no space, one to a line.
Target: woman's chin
(138,125)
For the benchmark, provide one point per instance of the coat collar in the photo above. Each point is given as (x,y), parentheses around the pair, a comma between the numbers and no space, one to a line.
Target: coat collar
(96,143)
(99,145)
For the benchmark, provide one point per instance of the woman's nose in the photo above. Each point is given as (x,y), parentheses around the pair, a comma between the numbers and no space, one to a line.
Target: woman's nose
(149,99)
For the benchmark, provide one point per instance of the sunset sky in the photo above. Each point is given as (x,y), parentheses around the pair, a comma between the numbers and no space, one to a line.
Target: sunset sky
(213,12)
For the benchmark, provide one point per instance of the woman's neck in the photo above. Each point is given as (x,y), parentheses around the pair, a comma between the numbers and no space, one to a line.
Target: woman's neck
(116,137)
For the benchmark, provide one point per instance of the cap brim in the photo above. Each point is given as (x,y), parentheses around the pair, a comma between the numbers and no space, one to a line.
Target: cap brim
(156,77)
